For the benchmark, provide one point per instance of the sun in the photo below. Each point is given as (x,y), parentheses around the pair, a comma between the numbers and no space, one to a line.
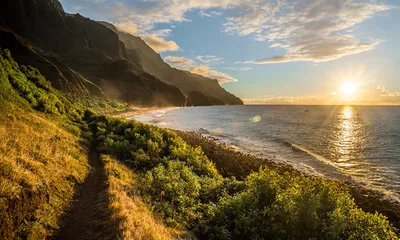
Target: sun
(348,88)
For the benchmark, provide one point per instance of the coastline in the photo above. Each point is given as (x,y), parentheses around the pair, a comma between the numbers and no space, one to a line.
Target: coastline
(137,111)
(232,162)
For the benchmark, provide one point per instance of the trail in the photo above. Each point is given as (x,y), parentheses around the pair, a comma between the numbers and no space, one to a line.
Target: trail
(89,217)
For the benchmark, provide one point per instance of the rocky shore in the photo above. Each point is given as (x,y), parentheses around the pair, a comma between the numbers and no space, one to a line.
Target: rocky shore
(233,163)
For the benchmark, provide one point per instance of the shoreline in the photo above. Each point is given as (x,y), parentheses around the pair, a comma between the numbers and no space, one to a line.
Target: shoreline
(233,162)
(133,112)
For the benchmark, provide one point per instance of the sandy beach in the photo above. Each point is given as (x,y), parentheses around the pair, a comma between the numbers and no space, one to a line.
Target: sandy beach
(137,111)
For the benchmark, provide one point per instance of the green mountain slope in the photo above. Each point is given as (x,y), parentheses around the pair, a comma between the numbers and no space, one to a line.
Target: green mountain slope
(41,157)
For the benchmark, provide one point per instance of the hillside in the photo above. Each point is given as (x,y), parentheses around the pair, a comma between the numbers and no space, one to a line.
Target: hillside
(70,173)
(83,56)
(42,159)
(188,83)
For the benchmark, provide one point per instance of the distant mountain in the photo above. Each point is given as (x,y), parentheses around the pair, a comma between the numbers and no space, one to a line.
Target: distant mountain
(138,51)
(86,57)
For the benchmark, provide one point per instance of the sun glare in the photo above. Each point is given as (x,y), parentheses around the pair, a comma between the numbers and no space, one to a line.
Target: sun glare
(348,88)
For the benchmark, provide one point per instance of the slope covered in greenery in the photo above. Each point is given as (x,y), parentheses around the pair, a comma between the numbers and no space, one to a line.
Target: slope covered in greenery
(158,185)
(41,157)
(134,218)
(184,188)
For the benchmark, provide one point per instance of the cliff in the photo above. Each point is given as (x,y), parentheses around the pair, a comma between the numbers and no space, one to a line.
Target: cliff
(83,56)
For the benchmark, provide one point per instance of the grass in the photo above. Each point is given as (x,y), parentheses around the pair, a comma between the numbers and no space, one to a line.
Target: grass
(40,165)
(135,220)
(41,158)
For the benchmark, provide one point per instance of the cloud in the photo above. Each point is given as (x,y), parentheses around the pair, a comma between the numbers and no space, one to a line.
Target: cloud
(203,13)
(180,62)
(159,44)
(320,49)
(192,66)
(151,12)
(375,96)
(380,95)
(283,100)
(242,69)
(128,27)
(308,30)
(305,30)
(210,73)
(209,59)
(155,40)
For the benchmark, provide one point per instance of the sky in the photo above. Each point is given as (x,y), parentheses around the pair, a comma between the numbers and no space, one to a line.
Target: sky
(271,51)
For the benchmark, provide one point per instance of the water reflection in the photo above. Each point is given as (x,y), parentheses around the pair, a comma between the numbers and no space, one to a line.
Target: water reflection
(347,139)
(350,142)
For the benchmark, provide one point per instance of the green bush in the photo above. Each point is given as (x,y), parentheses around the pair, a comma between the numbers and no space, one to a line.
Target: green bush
(186,179)
(291,207)
(182,185)
(174,189)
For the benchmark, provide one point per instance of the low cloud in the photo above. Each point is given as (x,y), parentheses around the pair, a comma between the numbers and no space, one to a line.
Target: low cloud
(209,59)
(180,62)
(159,44)
(376,96)
(192,66)
(210,73)
(283,100)
(242,69)
(155,40)
(128,27)
(380,95)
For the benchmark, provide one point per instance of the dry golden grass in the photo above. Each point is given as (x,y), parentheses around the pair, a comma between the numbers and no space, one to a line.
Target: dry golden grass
(40,164)
(135,220)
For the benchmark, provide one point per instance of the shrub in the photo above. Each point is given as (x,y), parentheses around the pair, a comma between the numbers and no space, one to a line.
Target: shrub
(182,185)
(174,189)
(287,207)
(36,90)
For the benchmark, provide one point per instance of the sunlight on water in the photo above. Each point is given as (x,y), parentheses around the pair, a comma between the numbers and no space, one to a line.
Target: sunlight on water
(347,139)
(348,142)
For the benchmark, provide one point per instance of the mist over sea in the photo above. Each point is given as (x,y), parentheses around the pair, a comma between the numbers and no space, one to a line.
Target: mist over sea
(354,143)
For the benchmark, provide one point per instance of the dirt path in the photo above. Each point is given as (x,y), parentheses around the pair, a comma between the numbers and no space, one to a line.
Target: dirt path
(89,217)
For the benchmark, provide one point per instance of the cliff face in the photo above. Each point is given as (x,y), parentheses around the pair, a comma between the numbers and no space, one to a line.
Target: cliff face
(83,56)
(138,51)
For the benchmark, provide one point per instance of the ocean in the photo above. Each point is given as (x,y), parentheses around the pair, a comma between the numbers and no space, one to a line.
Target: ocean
(360,144)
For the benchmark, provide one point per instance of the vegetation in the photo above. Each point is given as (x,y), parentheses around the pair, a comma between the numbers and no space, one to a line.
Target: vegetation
(182,186)
(158,185)
(98,104)
(41,158)
(230,162)
(135,221)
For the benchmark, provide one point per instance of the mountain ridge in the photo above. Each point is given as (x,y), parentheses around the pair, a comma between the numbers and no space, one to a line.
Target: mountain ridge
(83,56)
(186,81)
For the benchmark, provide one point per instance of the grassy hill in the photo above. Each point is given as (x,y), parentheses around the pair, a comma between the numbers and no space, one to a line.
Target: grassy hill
(67,172)
(41,156)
